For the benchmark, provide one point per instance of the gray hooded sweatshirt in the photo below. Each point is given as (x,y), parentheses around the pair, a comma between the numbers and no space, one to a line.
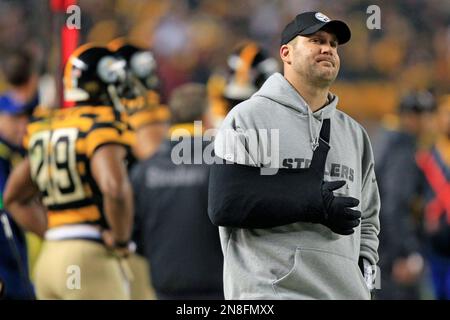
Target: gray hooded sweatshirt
(299,260)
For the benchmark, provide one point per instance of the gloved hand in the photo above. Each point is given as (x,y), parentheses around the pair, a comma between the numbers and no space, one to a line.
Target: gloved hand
(338,216)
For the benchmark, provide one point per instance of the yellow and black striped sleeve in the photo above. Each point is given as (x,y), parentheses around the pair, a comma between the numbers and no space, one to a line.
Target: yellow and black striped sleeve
(103,132)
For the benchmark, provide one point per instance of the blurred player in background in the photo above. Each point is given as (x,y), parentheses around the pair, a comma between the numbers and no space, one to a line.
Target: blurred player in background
(149,120)
(77,164)
(435,165)
(16,106)
(147,116)
(401,261)
(171,201)
(248,66)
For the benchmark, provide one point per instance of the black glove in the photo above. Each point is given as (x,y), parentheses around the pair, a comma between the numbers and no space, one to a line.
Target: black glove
(338,216)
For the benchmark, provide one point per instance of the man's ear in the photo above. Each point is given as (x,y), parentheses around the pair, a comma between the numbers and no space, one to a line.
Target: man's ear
(285,55)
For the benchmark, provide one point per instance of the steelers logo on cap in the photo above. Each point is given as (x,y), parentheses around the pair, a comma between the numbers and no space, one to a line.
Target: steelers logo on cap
(320,16)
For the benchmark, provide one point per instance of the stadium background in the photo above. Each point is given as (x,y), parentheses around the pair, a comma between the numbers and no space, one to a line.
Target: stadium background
(192,38)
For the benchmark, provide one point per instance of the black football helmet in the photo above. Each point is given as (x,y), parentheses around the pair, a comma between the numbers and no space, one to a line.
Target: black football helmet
(143,83)
(92,76)
(141,63)
(248,67)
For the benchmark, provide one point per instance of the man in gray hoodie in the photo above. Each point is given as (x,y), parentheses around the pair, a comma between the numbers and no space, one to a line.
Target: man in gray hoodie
(280,155)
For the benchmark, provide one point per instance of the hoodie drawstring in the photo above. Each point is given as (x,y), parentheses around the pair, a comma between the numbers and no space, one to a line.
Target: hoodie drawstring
(314,136)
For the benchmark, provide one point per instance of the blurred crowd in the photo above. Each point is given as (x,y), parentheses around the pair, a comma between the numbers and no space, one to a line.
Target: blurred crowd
(395,80)
(192,39)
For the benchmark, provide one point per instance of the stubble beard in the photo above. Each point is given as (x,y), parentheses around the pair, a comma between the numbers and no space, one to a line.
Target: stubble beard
(321,77)
(316,75)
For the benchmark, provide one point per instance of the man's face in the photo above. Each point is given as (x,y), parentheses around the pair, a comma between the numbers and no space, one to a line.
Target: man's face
(315,58)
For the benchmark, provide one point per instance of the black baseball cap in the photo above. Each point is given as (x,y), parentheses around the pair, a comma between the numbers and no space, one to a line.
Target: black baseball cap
(417,102)
(307,23)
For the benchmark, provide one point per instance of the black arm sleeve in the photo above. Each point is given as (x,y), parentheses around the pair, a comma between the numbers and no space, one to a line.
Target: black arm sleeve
(239,196)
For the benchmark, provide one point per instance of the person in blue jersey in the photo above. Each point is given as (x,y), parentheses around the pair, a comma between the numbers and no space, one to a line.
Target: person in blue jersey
(16,106)
(435,165)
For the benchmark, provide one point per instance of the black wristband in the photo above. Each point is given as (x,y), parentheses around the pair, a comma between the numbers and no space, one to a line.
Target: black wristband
(121,244)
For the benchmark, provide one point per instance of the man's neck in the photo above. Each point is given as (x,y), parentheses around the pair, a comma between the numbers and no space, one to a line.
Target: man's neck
(314,96)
